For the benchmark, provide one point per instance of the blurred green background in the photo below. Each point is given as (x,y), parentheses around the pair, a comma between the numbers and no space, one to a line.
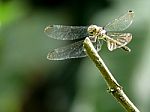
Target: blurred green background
(31,83)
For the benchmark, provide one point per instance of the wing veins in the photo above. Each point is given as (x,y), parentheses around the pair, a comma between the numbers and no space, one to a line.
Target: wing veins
(121,23)
(62,32)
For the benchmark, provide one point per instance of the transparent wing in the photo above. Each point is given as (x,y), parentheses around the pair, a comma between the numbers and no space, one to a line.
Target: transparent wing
(119,41)
(62,32)
(121,23)
(74,50)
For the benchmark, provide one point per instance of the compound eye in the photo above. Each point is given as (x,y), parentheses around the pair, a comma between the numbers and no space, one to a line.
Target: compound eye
(92,29)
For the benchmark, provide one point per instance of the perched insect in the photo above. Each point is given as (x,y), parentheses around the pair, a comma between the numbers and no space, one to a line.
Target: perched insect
(96,34)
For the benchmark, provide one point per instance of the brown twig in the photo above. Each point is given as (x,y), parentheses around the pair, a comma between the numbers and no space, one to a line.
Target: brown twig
(114,88)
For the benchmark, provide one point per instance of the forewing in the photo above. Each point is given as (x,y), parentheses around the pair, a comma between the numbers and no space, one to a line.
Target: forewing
(74,50)
(62,32)
(119,40)
(121,23)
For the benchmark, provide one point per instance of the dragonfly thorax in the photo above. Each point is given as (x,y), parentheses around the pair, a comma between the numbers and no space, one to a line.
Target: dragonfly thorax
(95,30)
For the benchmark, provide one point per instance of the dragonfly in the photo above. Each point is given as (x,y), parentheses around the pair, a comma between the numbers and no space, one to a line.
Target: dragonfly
(110,33)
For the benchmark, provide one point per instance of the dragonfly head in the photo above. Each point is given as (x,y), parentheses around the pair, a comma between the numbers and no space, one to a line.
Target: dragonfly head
(95,30)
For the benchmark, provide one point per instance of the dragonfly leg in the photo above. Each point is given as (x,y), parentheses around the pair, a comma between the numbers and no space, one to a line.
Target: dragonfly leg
(96,42)
(92,38)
